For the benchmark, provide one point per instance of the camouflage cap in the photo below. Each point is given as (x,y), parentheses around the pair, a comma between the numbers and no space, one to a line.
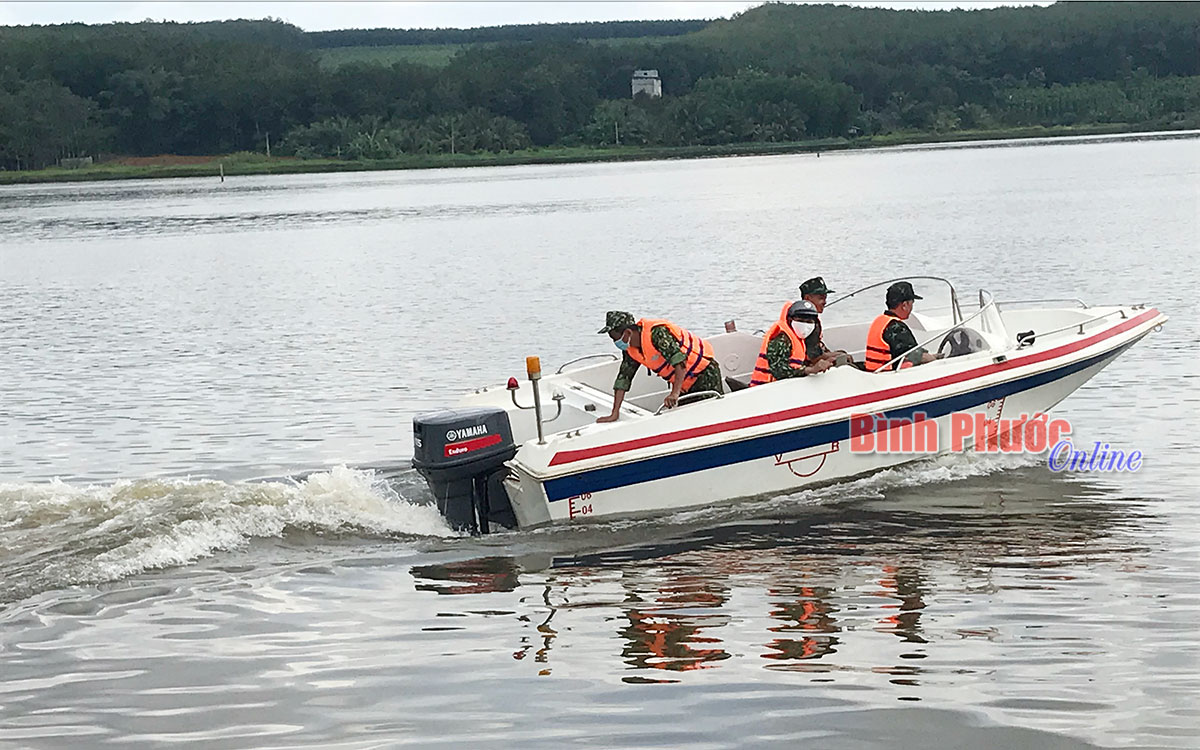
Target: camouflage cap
(802,310)
(616,320)
(901,291)
(815,285)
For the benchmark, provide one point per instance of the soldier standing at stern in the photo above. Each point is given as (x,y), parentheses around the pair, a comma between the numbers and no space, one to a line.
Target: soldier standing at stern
(675,354)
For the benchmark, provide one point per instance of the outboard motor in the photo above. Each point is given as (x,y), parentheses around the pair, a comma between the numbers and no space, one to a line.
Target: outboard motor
(461,453)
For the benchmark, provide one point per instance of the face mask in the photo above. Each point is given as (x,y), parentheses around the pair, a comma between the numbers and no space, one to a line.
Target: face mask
(803,328)
(621,344)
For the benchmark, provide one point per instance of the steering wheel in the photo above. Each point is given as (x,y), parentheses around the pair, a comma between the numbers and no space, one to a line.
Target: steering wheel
(959,342)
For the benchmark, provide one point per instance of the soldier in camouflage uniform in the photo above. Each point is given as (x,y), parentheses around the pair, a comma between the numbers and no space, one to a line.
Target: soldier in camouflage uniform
(896,335)
(815,291)
(624,330)
(779,348)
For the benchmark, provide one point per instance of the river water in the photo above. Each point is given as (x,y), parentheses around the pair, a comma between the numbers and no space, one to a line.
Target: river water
(208,532)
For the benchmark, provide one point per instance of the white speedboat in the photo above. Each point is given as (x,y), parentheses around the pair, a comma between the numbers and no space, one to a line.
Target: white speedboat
(491,460)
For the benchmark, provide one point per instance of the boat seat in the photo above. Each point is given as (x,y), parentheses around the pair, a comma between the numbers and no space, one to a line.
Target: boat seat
(734,384)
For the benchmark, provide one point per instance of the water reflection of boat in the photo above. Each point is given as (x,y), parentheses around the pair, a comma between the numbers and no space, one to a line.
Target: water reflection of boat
(819,583)
(480,576)
(807,624)
(486,463)
(669,628)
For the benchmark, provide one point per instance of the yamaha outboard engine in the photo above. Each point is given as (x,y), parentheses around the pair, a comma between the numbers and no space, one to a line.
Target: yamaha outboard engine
(461,453)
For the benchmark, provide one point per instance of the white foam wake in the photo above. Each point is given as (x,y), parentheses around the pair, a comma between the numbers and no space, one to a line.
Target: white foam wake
(951,467)
(76,534)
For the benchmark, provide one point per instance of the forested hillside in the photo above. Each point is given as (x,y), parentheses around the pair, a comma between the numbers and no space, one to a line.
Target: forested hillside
(772,74)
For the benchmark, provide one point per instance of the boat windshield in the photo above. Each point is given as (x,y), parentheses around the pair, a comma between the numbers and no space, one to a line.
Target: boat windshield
(939,302)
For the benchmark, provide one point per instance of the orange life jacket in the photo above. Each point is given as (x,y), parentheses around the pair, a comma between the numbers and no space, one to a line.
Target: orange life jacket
(878,352)
(696,351)
(762,368)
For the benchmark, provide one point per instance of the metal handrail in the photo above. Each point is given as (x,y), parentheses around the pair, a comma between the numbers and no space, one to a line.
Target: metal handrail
(940,334)
(687,398)
(1081,324)
(956,311)
(557,398)
(563,366)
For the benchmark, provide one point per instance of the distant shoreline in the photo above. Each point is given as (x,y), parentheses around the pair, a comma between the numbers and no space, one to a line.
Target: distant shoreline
(240,165)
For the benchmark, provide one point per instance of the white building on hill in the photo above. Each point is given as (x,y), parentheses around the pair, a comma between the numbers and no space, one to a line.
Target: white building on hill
(646,82)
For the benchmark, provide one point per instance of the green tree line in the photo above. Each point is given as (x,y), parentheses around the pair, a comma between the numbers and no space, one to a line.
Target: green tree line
(774,73)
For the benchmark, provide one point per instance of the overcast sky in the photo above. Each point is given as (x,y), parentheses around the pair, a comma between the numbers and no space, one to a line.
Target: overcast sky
(348,14)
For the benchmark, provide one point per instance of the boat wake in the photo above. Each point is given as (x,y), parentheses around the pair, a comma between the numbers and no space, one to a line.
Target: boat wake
(951,467)
(56,534)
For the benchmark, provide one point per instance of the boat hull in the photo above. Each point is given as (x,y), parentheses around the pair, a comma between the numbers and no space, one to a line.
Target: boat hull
(809,453)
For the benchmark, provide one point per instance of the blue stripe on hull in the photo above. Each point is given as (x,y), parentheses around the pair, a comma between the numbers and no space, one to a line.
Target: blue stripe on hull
(711,457)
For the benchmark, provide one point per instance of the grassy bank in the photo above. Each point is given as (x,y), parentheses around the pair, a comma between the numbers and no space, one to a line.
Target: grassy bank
(252,164)
(438,55)
(432,55)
